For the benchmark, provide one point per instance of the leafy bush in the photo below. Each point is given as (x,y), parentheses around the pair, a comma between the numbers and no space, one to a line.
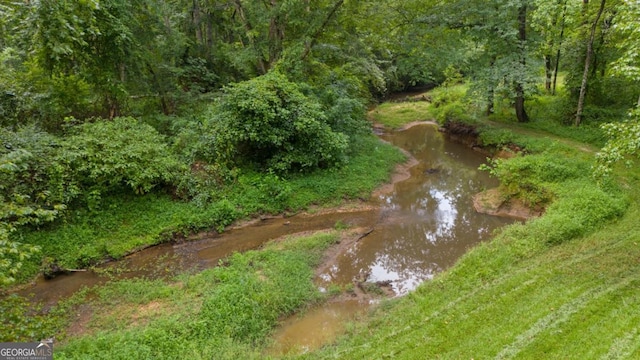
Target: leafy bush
(108,154)
(623,140)
(28,192)
(581,208)
(449,104)
(267,121)
(453,112)
(344,109)
(29,166)
(496,137)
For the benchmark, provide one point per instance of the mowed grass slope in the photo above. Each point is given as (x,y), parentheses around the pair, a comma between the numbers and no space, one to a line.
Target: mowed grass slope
(564,286)
(578,300)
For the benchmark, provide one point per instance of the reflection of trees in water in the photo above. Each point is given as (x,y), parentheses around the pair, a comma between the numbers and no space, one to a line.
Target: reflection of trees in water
(430,218)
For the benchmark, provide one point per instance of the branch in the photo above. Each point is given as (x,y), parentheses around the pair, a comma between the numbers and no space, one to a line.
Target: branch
(316,34)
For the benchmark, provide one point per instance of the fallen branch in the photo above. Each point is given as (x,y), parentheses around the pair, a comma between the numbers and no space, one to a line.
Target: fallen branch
(365,234)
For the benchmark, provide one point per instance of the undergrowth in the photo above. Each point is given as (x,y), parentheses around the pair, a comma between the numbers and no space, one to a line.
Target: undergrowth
(123,223)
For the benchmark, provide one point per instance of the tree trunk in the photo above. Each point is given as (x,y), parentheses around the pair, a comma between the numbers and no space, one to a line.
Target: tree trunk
(557,65)
(260,62)
(195,16)
(276,34)
(491,91)
(490,100)
(587,61)
(521,112)
(548,71)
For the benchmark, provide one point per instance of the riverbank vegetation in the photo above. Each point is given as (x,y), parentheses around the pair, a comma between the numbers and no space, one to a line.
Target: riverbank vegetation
(241,300)
(128,123)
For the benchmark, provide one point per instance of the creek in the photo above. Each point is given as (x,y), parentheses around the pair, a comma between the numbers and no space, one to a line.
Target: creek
(418,228)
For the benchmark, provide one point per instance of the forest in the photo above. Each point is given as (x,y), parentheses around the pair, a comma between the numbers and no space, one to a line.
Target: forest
(188,115)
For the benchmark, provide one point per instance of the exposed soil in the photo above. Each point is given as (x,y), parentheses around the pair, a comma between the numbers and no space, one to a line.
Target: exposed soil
(80,323)
(493,202)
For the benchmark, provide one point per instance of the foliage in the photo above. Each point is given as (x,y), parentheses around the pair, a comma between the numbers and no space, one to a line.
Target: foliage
(22,322)
(529,177)
(623,139)
(124,222)
(28,195)
(343,102)
(451,104)
(269,122)
(628,64)
(105,155)
(492,137)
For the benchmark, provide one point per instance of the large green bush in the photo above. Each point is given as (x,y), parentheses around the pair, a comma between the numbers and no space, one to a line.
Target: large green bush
(106,155)
(267,121)
(27,192)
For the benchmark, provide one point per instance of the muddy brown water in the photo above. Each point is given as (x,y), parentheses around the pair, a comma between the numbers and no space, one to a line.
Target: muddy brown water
(420,227)
(427,221)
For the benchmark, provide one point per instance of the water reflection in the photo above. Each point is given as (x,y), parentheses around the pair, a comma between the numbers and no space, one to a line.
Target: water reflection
(428,221)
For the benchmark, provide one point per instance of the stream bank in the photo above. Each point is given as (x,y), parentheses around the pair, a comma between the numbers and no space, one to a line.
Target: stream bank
(404,235)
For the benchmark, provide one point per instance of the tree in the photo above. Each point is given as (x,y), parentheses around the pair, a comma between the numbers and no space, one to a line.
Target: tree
(628,43)
(550,20)
(587,63)
(500,29)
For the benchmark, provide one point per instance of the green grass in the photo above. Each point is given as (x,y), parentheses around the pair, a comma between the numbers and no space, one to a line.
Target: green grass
(549,304)
(224,312)
(395,115)
(563,286)
(125,223)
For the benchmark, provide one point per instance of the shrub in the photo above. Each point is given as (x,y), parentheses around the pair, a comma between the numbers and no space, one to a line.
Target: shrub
(582,207)
(268,122)
(496,137)
(30,193)
(109,154)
